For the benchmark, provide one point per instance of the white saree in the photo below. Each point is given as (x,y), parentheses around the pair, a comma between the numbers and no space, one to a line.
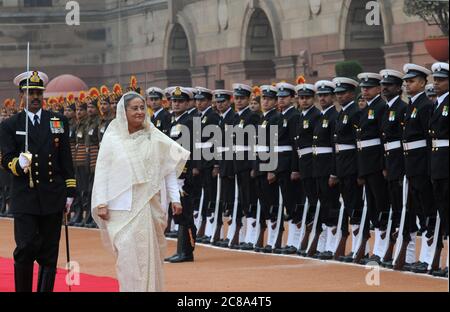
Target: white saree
(130,177)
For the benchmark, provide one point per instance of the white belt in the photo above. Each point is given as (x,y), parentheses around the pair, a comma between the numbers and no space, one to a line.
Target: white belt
(261,149)
(344,147)
(392,145)
(440,143)
(203,145)
(241,148)
(368,143)
(414,145)
(284,148)
(304,151)
(223,149)
(322,150)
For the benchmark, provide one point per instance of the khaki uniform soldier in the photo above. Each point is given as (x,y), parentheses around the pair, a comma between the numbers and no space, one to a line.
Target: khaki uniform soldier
(91,142)
(81,165)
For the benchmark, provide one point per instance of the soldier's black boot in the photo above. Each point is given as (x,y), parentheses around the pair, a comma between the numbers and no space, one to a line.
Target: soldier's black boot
(90,223)
(78,216)
(46,279)
(187,243)
(179,250)
(23,277)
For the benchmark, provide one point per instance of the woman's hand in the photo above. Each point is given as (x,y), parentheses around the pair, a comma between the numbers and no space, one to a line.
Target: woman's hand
(177,209)
(103,212)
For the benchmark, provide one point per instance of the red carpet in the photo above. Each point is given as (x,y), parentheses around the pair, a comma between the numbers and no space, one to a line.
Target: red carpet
(88,283)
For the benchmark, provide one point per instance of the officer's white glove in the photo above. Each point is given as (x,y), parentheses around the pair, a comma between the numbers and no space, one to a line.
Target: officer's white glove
(69,202)
(25,160)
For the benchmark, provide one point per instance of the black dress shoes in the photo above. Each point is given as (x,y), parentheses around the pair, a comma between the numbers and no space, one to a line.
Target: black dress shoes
(247,246)
(267,249)
(347,259)
(182,258)
(373,258)
(421,268)
(170,258)
(387,264)
(326,255)
(289,250)
(441,272)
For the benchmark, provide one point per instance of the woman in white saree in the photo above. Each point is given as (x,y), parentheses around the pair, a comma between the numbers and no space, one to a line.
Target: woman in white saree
(135,179)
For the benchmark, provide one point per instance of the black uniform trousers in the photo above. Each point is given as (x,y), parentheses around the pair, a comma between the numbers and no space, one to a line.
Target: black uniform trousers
(422,195)
(227,192)
(311,192)
(37,239)
(292,192)
(377,200)
(395,189)
(352,194)
(247,196)
(268,195)
(440,188)
(329,203)
(196,191)
(187,231)
(209,186)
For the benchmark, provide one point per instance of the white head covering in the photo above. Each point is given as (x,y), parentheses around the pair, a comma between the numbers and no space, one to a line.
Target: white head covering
(126,160)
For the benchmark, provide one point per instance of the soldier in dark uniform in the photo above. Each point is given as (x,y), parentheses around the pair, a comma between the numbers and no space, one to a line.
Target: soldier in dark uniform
(43,184)
(439,153)
(181,123)
(394,167)
(245,118)
(309,117)
(431,93)
(70,112)
(196,192)
(323,166)
(267,187)
(204,161)
(161,117)
(287,170)
(346,163)
(225,163)
(416,150)
(371,160)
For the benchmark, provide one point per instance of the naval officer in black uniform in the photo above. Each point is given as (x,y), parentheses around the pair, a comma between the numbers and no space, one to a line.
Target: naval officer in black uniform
(43,183)
(161,117)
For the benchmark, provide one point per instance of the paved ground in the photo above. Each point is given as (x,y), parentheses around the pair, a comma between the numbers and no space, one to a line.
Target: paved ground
(217,269)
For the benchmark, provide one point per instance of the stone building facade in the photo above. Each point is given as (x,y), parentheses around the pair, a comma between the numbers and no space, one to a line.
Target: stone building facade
(211,43)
